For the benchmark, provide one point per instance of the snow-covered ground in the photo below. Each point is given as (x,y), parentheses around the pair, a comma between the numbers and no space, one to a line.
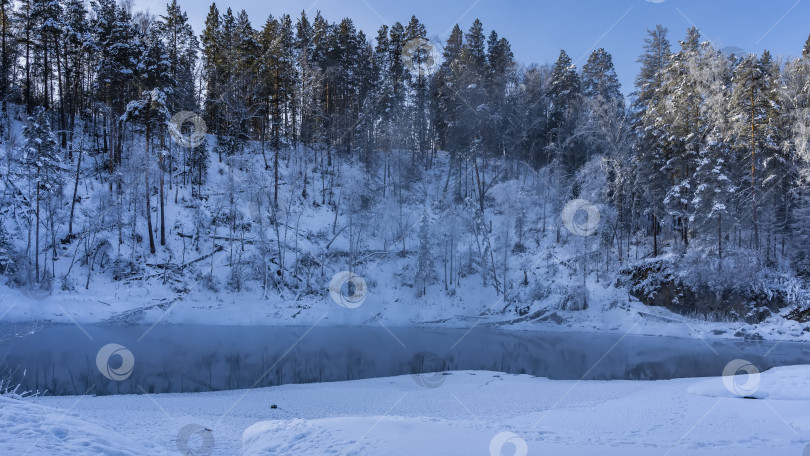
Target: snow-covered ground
(612,312)
(457,413)
(549,266)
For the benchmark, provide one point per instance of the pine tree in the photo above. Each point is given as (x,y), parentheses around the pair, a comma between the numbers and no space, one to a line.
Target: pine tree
(238,88)
(26,31)
(753,132)
(473,52)
(603,101)
(599,77)
(397,70)
(564,95)
(417,64)
(8,44)
(680,127)
(425,267)
(500,73)
(212,63)
(500,66)
(152,113)
(445,98)
(120,51)
(276,62)
(468,86)
(78,50)
(41,160)
(474,75)
(288,78)
(198,161)
(795,103)
(309,75)
(322,103)
(151,110)
(779,171)
(272,72)
(366,100)
(712,207)
(528,122)
(347,45)
(656,57)
(806,50)
(245,101)
(156,73)
(47,34)
(650,156)
(182,48)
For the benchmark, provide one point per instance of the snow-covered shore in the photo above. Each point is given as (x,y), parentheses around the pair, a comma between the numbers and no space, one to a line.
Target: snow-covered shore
(458,413)
(613,313)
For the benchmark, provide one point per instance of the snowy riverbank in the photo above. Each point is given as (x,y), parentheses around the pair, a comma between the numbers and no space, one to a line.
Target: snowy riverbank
(459,413)
(612,313)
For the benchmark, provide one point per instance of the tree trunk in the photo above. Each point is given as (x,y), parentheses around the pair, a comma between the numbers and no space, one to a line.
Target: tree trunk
(36,239)
(655,235)
(146,178)
(480,186)
(720,235)
(4,63)
(108,148)
(29,101)
(275,178)
(162,201)
(75,191)
(62,123)
(754,174)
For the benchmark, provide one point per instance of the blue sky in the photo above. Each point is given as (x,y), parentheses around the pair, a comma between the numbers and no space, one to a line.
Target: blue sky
(539,29)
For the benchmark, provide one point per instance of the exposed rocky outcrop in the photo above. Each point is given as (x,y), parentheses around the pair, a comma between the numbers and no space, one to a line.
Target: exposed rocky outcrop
(657,283)
(802,315)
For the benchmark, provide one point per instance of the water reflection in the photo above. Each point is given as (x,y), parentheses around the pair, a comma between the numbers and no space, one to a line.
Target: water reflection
(176,358)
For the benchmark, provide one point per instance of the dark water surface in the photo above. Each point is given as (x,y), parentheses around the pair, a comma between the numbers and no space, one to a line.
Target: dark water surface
(178,358)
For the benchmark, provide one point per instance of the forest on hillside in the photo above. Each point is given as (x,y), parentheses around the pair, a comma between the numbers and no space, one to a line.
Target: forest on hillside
(270,156)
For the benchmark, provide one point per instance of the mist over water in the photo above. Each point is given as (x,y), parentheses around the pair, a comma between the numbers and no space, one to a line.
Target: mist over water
(61,360)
